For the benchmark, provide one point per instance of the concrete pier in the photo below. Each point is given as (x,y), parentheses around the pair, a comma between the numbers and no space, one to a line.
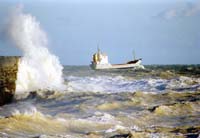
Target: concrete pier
(8,76)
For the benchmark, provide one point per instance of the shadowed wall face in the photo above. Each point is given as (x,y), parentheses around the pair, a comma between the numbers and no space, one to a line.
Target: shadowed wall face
(8,76)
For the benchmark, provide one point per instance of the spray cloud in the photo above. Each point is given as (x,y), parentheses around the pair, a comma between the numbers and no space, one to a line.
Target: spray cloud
(38,68)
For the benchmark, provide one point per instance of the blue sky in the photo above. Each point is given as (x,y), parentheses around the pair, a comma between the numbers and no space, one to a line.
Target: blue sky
(160,31)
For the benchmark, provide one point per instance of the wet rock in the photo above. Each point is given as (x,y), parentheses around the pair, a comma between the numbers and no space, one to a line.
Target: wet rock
(8,76)
(129,135)
(192,135)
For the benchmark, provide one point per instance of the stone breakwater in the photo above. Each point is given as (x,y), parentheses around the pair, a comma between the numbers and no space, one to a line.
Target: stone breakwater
(8,76)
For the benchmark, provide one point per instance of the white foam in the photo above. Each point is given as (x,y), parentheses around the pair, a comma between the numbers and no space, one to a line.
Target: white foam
(104,118)
(116,84)
(38,68)
(115,128)
(27,110)
(184,82)
(111,84)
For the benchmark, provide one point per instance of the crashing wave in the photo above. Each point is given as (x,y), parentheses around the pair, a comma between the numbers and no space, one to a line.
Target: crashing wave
(38,68)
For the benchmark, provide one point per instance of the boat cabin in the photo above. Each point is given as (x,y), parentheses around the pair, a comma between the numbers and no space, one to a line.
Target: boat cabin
(100,58)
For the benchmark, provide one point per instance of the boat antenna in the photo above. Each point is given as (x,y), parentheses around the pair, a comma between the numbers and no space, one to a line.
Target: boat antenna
(98,48)
(134,55)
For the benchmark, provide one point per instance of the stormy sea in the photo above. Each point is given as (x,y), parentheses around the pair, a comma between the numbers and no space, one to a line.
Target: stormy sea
(55,101)
(160,101)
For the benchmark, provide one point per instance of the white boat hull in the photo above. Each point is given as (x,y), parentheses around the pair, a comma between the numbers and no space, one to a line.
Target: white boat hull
(117,66)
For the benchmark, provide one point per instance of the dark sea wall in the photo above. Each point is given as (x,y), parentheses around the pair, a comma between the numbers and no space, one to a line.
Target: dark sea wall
(8,76)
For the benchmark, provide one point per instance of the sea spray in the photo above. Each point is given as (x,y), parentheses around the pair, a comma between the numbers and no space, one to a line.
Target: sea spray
(38,68)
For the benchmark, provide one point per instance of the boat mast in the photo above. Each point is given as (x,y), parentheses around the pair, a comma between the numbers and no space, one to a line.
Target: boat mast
(134,55)
(98,48)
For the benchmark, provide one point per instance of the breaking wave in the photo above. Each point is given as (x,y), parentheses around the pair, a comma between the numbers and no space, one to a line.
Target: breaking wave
(38,68)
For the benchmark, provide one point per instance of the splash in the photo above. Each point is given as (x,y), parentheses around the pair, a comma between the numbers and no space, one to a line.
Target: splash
(38,68)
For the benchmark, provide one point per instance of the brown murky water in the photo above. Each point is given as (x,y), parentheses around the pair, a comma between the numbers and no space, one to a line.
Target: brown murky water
(159,102)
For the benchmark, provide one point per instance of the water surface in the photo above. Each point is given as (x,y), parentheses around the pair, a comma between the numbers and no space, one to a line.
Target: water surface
(160,101)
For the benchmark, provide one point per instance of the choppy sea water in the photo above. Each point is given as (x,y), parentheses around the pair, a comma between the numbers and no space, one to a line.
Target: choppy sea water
(160,101)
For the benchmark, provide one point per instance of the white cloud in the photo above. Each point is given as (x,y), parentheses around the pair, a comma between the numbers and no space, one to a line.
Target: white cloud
(181,10)
(193,10)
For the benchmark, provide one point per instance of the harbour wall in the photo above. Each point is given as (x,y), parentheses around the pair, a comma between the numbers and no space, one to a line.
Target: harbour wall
(8,76)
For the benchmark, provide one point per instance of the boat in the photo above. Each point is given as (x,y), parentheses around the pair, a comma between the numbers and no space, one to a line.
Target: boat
(100,61)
